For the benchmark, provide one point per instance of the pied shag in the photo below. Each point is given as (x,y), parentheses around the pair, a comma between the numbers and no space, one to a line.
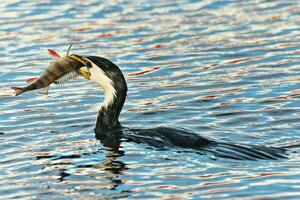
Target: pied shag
(109,130)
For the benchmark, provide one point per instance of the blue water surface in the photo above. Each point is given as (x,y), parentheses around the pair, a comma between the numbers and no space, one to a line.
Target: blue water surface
(227,70)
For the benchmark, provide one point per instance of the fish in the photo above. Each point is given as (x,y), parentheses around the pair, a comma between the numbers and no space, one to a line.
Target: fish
(59,71)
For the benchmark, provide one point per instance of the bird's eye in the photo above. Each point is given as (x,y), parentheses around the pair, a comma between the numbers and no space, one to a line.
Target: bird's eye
(89,65)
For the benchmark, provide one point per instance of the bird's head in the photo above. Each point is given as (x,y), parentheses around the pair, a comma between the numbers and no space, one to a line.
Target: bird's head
(106,74)
(84,71)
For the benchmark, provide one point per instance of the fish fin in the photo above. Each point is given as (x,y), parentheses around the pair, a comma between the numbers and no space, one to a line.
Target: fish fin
(67,77)
(43,90)
(53,53)
(18,90)
(31,80)
(68,50)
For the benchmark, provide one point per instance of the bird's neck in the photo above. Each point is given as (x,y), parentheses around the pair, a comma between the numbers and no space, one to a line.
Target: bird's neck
(108,116)
(111,80)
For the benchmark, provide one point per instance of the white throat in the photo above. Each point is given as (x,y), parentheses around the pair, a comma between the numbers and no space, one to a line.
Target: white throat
(99,76)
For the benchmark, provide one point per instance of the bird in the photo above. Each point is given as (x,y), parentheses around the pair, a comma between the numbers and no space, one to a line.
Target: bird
(110,131)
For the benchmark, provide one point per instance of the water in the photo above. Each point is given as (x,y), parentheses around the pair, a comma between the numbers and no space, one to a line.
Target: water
(228,70)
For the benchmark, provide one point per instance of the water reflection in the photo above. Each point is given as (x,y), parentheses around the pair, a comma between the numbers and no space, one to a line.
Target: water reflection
(112,153)
(109,167)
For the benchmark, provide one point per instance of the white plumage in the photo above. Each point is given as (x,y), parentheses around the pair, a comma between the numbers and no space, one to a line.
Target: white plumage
(99,76)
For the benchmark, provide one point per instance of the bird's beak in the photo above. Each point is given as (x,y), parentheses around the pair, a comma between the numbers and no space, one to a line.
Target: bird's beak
(85,72)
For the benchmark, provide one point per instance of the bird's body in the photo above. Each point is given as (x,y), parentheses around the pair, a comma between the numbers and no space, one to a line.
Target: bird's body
(110,132)
(108,128)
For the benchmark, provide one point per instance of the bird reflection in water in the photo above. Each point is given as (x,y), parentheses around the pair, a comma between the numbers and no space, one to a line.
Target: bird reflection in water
(109,168)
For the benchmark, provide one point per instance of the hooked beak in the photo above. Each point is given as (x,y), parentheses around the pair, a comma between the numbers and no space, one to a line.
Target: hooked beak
(84,72)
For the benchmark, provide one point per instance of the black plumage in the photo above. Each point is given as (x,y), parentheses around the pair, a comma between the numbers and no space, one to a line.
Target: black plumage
(109,130)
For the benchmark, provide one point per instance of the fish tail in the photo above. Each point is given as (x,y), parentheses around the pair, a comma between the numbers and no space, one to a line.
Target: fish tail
(18,90)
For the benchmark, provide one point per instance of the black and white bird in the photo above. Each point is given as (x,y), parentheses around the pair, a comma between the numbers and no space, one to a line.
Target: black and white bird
(108,128)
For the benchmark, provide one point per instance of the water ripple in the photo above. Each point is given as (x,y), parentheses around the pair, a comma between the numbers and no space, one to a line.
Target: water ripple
(225,69)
